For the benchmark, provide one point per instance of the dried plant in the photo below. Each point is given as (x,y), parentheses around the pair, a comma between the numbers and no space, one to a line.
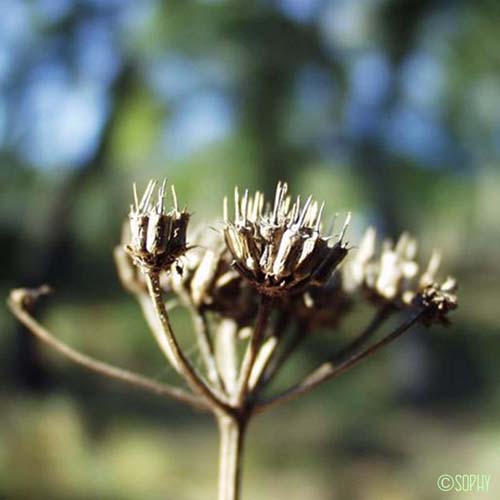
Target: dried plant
(266,281)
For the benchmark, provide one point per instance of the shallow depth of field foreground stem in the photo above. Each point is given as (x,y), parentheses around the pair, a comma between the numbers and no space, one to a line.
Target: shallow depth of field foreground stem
(267,280)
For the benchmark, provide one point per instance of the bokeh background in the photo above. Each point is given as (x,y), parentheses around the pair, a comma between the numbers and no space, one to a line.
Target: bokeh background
(388,108)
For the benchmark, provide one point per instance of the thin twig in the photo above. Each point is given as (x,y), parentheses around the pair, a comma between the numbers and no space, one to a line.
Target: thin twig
(329,370)
(288,349)
(301,334)
(268,351)
(253,347)
(264,356)
(226,355)
(16,303)
(382,314)
(206,347)
(131,279)
(155,327)
(194,380)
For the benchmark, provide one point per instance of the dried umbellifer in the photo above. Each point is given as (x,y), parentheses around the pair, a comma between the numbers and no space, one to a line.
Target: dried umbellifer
(274,268)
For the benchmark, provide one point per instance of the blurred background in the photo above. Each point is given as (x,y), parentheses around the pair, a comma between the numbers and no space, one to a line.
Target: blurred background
(388,108)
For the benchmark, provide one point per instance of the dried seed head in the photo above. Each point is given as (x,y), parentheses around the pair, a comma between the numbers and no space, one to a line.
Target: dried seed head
(392,276)
(396,268)
(207,281)
(129,275)
(158,237)
(438,301)
(278,247)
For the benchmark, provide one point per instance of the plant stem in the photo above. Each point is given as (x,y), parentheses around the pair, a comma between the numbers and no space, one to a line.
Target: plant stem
(155,327)
(226,355)
(380,317)
(232,432)
(279,360)
(329,370)
(16,305)
(206,348)
(267,353)
(253,347)
(195,381)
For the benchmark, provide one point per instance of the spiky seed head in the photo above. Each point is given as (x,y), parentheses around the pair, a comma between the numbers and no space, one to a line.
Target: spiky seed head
(392,275)
(158,236)
(278,246)
(438,300)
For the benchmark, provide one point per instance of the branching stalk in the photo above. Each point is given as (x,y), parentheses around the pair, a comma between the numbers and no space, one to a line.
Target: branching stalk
(267,352)
(329,370)
(155,327)
(16,305)
(252,351)
(262,361)
(205,345)
(282,356)
(194,380)
(226,355)
(377,321)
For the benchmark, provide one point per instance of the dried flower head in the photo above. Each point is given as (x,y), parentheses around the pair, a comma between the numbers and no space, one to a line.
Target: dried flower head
(279,248)
(388,275)
(207,281)
(392,276)
(129,275)
(438,301)
(396,268)
(158,237)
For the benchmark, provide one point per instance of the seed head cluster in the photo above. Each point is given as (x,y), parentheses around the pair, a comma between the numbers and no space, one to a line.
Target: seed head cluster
(279,248)
(276,249)
(393,275)
(256,290)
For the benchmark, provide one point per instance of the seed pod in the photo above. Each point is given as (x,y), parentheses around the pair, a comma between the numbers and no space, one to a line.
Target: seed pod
(392,276)
(158,238)
(278,247)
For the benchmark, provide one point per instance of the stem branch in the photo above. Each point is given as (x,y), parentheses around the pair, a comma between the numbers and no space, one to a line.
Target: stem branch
(206,347)
(226,355)
(288,349)
(329,370)
(194,380)
(155,327)
(253,348)
(17,304)
(380,317)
